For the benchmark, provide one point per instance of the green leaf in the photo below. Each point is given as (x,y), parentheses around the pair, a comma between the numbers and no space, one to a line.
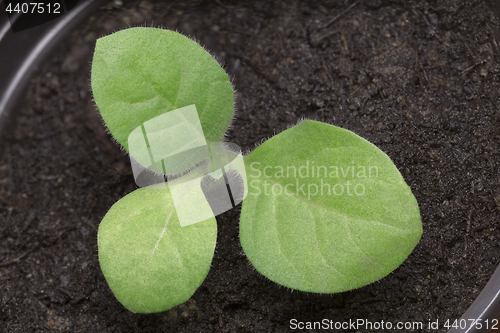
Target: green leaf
(141,73)
(301,236)
(150,262)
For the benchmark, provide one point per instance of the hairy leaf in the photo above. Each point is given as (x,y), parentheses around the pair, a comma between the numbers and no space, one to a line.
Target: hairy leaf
(326,210)
(141,73)
(150,262)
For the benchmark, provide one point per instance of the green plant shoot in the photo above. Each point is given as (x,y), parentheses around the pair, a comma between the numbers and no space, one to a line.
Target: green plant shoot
(326,210)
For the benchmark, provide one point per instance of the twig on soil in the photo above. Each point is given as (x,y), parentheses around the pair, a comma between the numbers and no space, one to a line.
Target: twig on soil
(259,71)
(487,158)
(245,33)
(67,293)
(57,237)
(433,32)
(16,260)
(495,44)
(328,73)
(344,41)
(86,220)
(28,221)
(473,66)
(90,203)
(199,2)
(365,300)
(51,241)
(340,15)
(418,66)
(42,305)
(77,299)
(48,135)
(319,39)
(227,6)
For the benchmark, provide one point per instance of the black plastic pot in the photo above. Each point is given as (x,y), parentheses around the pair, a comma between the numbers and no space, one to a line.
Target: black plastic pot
(22,51)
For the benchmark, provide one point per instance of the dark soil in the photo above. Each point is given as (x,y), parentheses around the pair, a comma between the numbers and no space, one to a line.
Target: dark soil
(419,79)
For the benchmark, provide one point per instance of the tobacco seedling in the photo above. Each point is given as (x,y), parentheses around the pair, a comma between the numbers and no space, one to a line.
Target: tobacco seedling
(326,211)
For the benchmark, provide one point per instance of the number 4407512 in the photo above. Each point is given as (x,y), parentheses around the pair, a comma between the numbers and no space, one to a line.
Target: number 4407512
(472,323)
(34,8)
